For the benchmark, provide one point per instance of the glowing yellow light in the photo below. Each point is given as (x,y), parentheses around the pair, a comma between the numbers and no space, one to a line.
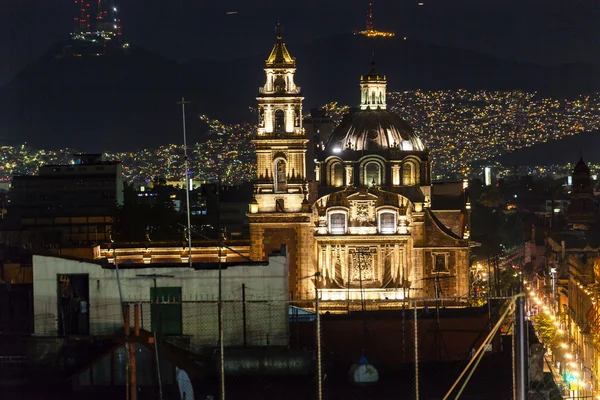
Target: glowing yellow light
(564,345)
(568,356)
(560,331)
(556,323)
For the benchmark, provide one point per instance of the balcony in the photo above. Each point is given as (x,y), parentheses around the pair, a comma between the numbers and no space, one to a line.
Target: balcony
(297,90)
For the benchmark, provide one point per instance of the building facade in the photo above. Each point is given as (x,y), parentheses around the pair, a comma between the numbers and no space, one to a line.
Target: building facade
(69,204)
(573,278)
(372,224)
(82,297)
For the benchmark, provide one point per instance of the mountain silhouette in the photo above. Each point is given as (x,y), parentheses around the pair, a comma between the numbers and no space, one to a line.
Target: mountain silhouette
(126,102)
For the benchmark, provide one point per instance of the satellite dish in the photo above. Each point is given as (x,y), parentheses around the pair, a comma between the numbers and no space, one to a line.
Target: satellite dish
(186,390)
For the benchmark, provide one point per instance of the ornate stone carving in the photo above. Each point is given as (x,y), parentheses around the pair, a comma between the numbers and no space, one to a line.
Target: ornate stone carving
(363,265)
(362,212)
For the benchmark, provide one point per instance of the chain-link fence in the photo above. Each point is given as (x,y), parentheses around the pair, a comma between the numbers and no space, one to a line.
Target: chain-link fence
(175,348)
(272,350)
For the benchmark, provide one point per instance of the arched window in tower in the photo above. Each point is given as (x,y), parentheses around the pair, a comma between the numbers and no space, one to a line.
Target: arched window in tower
(279,122)
(408,174)
(280,176)
(372,174)
(337,174)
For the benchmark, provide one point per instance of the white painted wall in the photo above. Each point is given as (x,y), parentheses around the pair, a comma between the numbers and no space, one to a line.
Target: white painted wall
(266,295)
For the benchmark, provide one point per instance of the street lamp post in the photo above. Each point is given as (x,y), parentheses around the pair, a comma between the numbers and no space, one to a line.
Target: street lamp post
(317,275)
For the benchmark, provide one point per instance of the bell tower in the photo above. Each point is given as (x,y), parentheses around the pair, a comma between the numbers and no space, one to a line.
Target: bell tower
(280,213)
(280,139)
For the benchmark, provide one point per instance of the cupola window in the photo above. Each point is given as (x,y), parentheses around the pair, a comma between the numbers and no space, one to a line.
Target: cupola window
(407,174)
(337,174)
(372,174)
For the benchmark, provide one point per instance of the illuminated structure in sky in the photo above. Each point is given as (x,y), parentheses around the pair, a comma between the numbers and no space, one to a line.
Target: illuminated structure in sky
(97,27)
(370,30)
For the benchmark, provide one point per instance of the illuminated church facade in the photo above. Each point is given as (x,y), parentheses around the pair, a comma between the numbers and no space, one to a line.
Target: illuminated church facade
(371,224)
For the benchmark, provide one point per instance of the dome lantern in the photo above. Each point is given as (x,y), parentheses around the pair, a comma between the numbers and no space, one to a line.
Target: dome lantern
(372,90)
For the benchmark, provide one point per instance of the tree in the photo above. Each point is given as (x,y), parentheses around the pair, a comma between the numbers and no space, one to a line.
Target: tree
(154,219)
(546,331)
(492,198)
(509,280)
(131,218)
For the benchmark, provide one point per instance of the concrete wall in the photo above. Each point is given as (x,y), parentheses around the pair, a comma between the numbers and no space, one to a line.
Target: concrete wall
(266,295)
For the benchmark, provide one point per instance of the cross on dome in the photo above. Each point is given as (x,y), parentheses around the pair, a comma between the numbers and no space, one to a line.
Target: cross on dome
(279,30)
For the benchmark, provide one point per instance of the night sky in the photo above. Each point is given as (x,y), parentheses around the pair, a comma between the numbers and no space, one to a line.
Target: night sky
(541,31)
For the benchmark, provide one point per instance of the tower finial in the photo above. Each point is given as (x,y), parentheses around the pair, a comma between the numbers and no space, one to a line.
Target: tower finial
(279,30)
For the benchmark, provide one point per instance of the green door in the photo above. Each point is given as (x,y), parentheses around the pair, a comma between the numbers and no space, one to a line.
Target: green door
(166,310)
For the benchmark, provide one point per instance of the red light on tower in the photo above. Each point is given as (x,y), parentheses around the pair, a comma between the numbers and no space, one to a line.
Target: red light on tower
(370,17)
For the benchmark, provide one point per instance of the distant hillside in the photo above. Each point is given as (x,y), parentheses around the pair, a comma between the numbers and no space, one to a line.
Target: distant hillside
(562,151)
(128,102)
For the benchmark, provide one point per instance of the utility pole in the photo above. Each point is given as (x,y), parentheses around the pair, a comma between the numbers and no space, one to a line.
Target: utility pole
(220,305)
(125,316)
(187,181)
(317,275)
(521,347)
(157,326)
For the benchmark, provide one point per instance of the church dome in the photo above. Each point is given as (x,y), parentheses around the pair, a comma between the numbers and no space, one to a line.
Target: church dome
(373,130)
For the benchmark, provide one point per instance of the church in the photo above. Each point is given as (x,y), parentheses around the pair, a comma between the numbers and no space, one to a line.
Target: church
(362,219)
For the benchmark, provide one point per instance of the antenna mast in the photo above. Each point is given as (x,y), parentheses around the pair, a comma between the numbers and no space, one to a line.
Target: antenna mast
(187,181)
(369,26)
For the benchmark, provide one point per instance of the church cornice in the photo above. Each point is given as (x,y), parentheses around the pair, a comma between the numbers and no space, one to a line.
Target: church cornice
(372,239)
(390,156)
(280,218)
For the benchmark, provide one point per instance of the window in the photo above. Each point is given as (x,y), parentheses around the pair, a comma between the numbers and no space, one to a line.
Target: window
(337,223)
(440,263)
(372,174)
(280,205)
(280,176)
(387,222)
(279,121)
(337,174)
(407,174)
